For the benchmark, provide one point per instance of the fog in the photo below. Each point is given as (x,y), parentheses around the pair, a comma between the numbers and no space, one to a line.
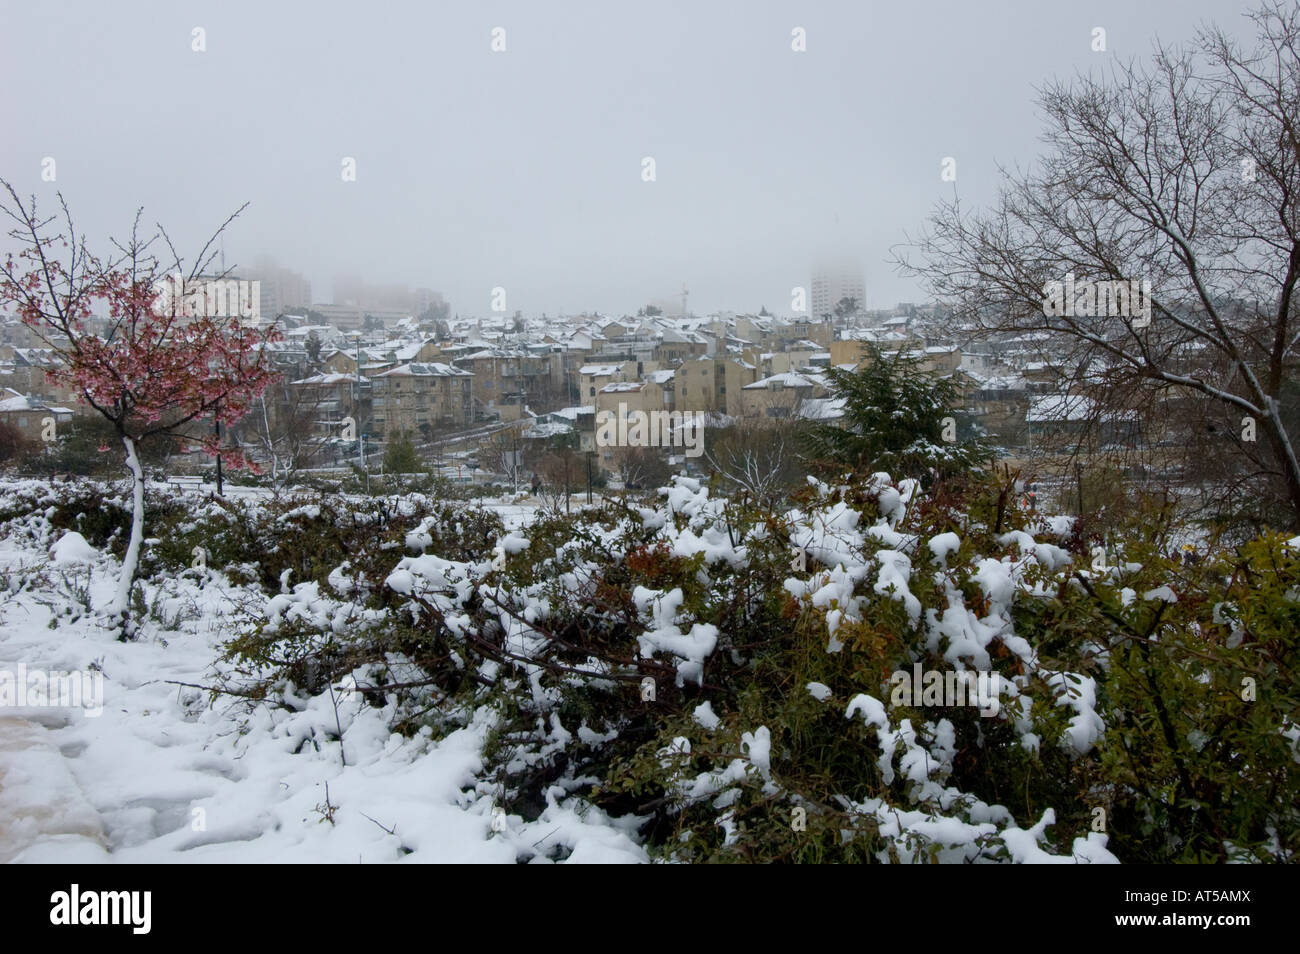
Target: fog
(523,168)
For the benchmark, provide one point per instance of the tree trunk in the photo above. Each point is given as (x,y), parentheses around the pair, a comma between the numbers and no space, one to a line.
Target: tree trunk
(121,606)
(1284,454)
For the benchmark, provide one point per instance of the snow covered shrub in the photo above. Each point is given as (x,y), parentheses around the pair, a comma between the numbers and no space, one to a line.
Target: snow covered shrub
(99,515)
(328,615)
(725,675)
(735,683)
(774,728)
(800,749)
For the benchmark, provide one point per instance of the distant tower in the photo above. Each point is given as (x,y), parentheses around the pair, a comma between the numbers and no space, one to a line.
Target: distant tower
(685,294)
(831,284)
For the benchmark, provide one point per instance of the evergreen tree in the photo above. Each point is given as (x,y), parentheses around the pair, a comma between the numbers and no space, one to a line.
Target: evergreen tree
(400,457)
(897,418)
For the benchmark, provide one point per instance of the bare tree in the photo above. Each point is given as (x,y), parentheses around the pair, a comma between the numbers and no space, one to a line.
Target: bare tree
(502,454)
(286,427)
(1184,173)
(642,468)
(558,470)
(761,460)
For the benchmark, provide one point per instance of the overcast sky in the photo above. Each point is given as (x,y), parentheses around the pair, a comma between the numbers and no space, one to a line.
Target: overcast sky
(523,168)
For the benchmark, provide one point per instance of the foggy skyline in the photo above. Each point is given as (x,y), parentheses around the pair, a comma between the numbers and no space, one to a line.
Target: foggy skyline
(523,169)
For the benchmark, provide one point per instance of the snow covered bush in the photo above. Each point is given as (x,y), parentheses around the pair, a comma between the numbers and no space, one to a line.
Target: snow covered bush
(880,673)
(775,731)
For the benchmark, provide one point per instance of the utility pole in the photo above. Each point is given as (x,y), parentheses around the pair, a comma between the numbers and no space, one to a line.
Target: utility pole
(356,405)
(216,424)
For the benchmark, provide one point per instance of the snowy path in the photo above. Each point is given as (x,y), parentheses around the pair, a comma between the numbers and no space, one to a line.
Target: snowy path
(44,815)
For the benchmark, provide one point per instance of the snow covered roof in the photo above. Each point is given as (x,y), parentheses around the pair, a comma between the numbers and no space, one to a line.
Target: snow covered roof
(1070,407)
(1003,382)
(822,409)
(571,413)
(18,403)
(546,429)
(333,377)
(487,353)
(789,379)
(599,370)
(1060,407)
(427,369)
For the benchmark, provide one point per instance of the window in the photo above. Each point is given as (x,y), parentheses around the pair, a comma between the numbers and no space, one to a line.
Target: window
(593,392)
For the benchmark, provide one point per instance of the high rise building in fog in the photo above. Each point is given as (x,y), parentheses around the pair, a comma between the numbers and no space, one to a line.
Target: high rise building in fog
(353,291)
(284,291)
(832,284)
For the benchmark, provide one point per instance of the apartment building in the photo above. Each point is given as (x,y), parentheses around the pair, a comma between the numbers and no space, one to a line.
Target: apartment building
(628,399)
(422,398)
(330,397)
(507,381)
(30,417)
(780,396)
(830,286)
(711,383)
(593,377)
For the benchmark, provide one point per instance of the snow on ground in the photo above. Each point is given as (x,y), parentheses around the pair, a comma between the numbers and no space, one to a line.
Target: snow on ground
(163,776)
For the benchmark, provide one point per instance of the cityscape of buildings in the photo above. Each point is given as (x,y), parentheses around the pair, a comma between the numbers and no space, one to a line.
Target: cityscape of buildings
(391,360)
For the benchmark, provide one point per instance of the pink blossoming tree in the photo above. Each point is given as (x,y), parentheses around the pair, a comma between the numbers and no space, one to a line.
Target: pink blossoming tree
(149,367)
